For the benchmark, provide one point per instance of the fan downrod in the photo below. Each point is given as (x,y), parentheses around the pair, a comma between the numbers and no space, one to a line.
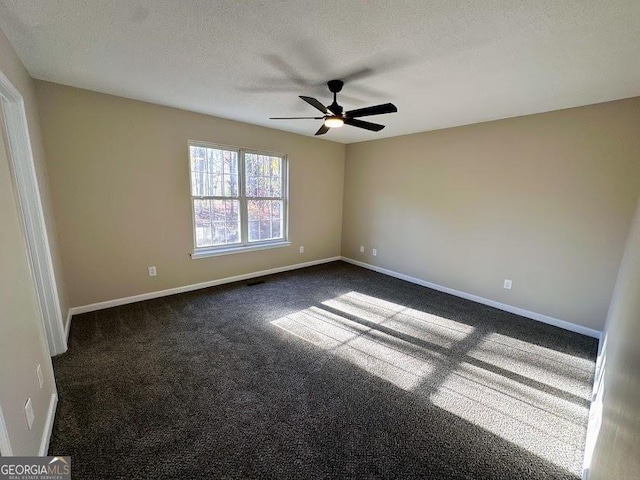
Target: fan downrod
(334,87)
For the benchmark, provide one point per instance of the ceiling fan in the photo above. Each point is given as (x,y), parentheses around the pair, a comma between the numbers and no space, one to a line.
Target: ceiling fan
(334,117)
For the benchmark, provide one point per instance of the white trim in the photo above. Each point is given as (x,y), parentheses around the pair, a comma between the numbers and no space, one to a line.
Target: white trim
(485,301)
(48,426)
(67,327)
(5,442)
(196,286)
(595,410)
(216,252)
(24,173)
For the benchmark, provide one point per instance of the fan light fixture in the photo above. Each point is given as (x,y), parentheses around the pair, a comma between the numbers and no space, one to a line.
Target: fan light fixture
(334,122)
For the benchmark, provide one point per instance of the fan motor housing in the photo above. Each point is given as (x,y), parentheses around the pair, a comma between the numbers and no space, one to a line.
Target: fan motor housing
(335,85)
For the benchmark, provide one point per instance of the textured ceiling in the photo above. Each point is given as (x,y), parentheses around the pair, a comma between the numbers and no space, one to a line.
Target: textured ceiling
(443,63)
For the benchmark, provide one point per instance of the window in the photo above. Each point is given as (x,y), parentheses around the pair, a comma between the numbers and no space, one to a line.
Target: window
(239,199)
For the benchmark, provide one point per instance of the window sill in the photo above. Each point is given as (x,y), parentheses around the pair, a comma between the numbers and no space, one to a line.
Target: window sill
(216,252)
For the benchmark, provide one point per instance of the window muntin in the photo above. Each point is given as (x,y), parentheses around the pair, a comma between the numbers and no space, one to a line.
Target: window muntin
(238,197)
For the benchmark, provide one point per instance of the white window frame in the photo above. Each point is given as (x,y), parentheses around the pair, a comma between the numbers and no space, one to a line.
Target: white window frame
(244,245)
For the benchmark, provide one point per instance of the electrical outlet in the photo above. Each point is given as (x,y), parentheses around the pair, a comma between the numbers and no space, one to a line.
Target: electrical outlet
(28,411)
(361,248)
(507,284)
(152,271)
(301,249)
(374,252)
(40,379)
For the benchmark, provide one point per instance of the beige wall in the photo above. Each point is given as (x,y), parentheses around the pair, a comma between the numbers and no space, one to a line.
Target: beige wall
(617,441)
(120,188)
(545,200)
(22,342)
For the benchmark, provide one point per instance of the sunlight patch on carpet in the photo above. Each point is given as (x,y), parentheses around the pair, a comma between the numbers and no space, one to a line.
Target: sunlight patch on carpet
(530,395)
(361,345)
(540,422)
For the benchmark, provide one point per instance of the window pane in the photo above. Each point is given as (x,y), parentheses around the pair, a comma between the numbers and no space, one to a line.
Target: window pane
(276,209)
(202,213)
(254,230)
(196,182)
(250,163)
(263,187)
(276,164)
(265,219)
(265,230)
(232,225)
(276,186)
(217,222)
(264,175)
(198,157)
(218,233)
(252,186)
(277,228)
(232,233)
(214,172)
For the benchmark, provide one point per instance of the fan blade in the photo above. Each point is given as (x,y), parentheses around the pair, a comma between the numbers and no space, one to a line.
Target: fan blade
(315,103)
(375,110)
(296,118)
(322,130)
(362,124)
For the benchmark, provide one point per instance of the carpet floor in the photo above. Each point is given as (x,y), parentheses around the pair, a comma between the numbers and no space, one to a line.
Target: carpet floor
(326,372)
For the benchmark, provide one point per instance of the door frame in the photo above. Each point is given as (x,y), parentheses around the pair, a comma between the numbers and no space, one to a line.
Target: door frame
(22,166)
(5,443)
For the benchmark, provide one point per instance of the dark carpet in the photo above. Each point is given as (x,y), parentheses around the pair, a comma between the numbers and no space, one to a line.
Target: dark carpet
(326,372)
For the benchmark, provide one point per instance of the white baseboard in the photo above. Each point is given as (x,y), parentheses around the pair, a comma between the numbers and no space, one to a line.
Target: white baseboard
(48,426)
(485,301)
(196,286)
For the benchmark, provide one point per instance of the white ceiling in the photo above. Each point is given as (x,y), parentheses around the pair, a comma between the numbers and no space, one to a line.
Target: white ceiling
(443,63)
